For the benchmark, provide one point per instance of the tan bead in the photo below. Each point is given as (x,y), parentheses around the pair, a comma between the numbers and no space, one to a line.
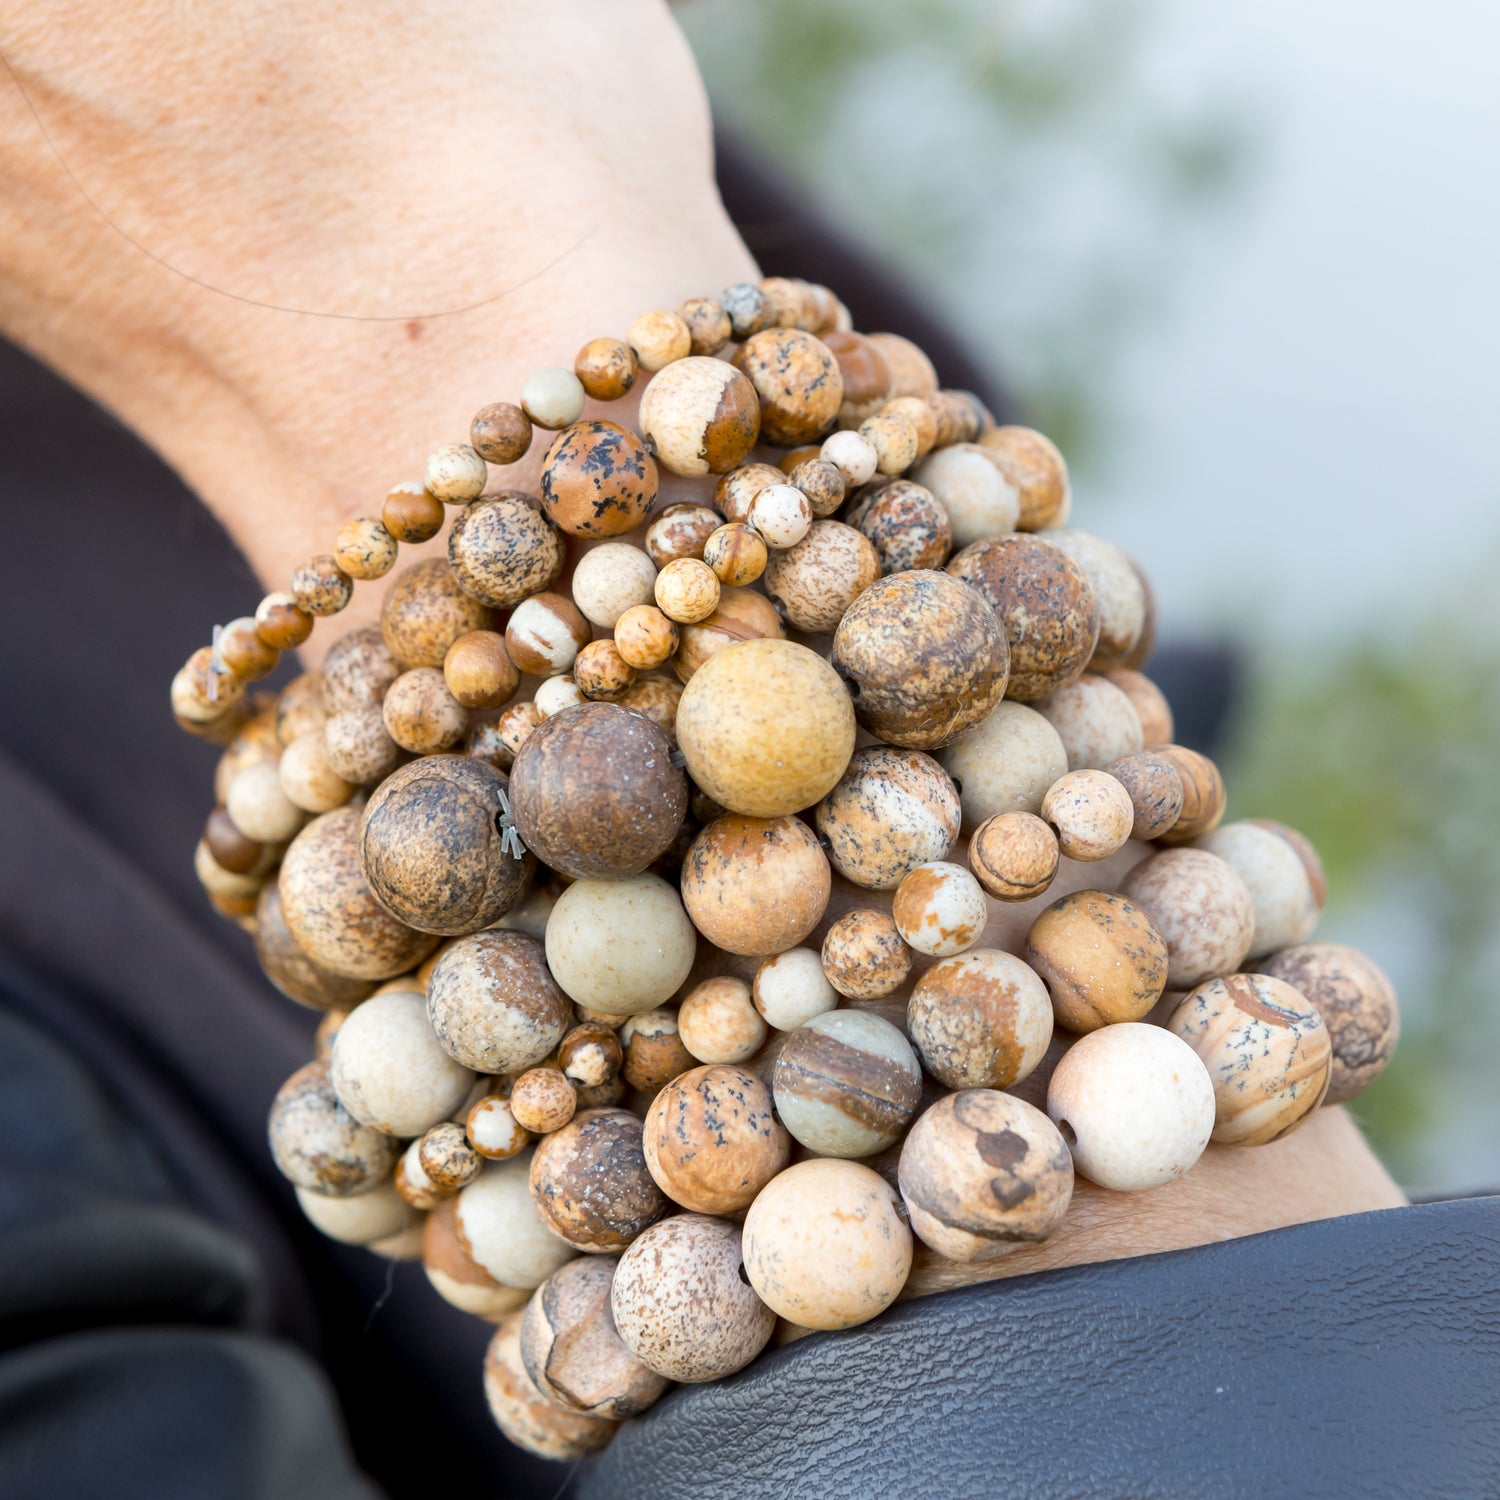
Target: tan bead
(867,376)
(1090,812)
(493,1130)
(736,491)
(230,849)
(602,674)
(1014,856)
(906,525)
(321,587)
(1096,722)
(1202,909)
(455,474)
(980,1020)
(742,615)
(712,1140)
(590,1055)
(825,1245)
(544,635)
(687,591)
(894,440)
(308,779)
(1006,764)
(530,1419)
(709,326)
(1045,605)
(257,740)
(425,611)
(1203,796)
(923,657)
(915,410)
(358,747)
(421,715)
(280,624)
(680,531)
(1117,589)
(659,338)
(719,1023)
(515,725)
(357,672)
(791,988)
(501,550)
(797,381)
(982,1172)
(1150,703)
(1283,874)
(364,549)
(864,956)
(781,514)
(700,416)
(1266,1049)
(1155,792)
(558,694)
(736,553)
(654,1054)
(244,653)
(939,909)
(590,1184)
(479,671)
(656,698)
(972,492)
(260,809)
(410,514)
(1358,1006)
(785,300)
(500,433)
(1032,464)
(446,1158)
(552,397)
(817,579)
(203,692)
(822,483)
(454,1273)
(232,894)
(645,637)
(606,368)
(911,370)
(597,480)
(542,1100)
(611,578)
(317,1144)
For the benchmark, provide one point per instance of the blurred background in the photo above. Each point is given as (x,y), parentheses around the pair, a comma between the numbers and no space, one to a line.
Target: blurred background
(1240,262)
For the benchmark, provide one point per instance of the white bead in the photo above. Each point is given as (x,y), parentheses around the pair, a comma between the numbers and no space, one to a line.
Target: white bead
(609,579)
(455,474)
(940,909)
(781,514)
(852,455)
(502,1229)
(792,988)
(493,1131)
(259,808)
(359,1220)
(556,694)
(1006,763)
(966,483)
(1135,1105)
(1286,909)
(552,397)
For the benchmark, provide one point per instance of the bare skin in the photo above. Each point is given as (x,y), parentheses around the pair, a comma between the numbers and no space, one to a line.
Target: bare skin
(552,165)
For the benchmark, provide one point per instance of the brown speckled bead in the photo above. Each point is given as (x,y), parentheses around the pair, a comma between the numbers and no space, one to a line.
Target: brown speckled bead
(501,550)
(868,379)
(317,1144)
(654,1054)
(431,851)
(1358,1006)
(597,480)
(483,742)
(545,633)
(1102,958)
(425,611)
(687,591)
(590,1184)
(291,970)
(708,324)
(590,1054)
(822,483)
(301,707)
(756,885)
(1203,796)
(243,653)
(712,1140)
(864,956)
(543,1100)
(982,1172)
(358,747)
(894,440)
(1155,790)
(736,554)
(817,580)
(1266,1049)
(700,416)
(910,368)
(447,1158)
(747,307)
(500,433)
(231,849)
(1032,464)
(363,548)
(1014,856)
(602,673)
(1150,704)
(645,637)
(1090,812)
(606,368)
(358,671)
(410,514)
(659,339)
(981,1019)
(907,526)
(923,657)
(479,671)
(891,811)
(421,715)
(923,422)
(595,793)
(680,531)
(736,491)
(1202,909)
(333,915)
(656,698)
(280,624)
(798,382)
(1045,605)
(530,1419)
(742,615)
(320,586)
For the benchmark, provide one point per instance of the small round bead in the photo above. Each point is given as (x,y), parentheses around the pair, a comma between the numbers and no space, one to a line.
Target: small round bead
(940,909)
(364,549)
(971,1199)
(479,671)
(747,308)
(1096,722)
(792,987)
(822,483)
(358,671)
(1283,874)
(864,957)
(700,416)
(542,1100)
(654,1054)
(1358,1006)
(1266,1049)
(545,634)
(602,674)
(907,527)
(894,440)
(233,895)
(910,367)
(1007,764)
(202,691)
(853,455)
(916,411)
(980,1020)
(447,1158)
(1135,1105)
(606,368)
(556,695)
(590,1055)
(280,624)
(786,301)
(891,811)
(514,725)
(687,591)
(425,611)
(645,637)
(493,1132)
(817,579)
(972,492)
(590,1184)
(497,1220)
(500,433)
(867,376)
(712,1140)
(1117,587)
(737,554)
(531,1420)
(501,550)
(742,615)
(358,747)
(244,653)
(317,1144)
(421,715)
(230,848)
(260,809)
(620,946)
(736,491)
(552,397)
(320,586)
(410,514)
(455,474)
(846,1083)
(1034,467)
(797,381)
(1202,794)
(361,1220)
(609,579)
(825,1245)
(597,480)
(658,339)
(307,778)
(1151,706)
(1014,856)
(1202,909)
(781,515)
(680,531)
(756,885)
(719,1023)
(1102,958)
(681,1304)
(1155,791)
(1090,812)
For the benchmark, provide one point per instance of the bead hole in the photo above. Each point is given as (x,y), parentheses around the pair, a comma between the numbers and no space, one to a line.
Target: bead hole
(744,1274)
(1066,1131)
(958,785)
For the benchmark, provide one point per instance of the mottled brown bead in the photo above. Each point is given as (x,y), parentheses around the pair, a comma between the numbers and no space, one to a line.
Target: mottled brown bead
(894,440)
(1200,906)
(923,422)
(447,1158)
(747,307)
(864,957)
(906,525)
(980,1019)
(1032,464)
(817,580)
(606,368)
(318,1145)
(654,1054)
(680,531)
(425,611)
(359,748)
(207,699)
(597,481)
(756,885)
(923,657)
(320,586)
(483,743)
(410,514)
(1091,814)
(736,491)
(431,850)
(742,615)
(1102,957)
(1155,791)
(531,1420)
(230,848)
(798,382)
(1203,796)
(712,1140)
(736,554)
(502,550)
(479,671)
(364,549)
(1014,856)
(645,637)
(822,483)
(543,1100)
(421,715)
(291,970)
(243,653)
(708,324)
(500,433)
(590,1184)
(280,624)
(1045,605)
(590,1055)
(602,673)
(868,379)
(700,416)
(545,633)
(595,794)
(1150,704)
(657,699)
(358,671)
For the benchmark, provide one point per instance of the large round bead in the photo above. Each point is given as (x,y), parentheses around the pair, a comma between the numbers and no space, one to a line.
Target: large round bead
(700,415)
(597,480)
(797,381)
(502,550)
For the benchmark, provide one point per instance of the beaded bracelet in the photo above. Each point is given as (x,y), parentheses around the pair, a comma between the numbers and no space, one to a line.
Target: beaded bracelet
(553,876)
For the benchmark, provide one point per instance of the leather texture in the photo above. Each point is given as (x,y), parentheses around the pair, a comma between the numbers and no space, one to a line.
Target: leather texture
(1354,1357)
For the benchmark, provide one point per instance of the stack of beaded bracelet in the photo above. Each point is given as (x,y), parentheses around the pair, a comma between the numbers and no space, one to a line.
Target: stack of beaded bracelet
(579,1052)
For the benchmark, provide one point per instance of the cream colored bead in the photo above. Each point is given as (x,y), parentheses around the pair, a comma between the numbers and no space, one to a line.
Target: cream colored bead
(718,1023)
(977,497)
(1281,890)
(658,339)
(1118,589)
(1096,722)
(502,1229)
(825,1244)
(680,531)
(553,397)
(609,579)
(360,1220)
(940,909)
(557,694)
(1202,909)
(687,591)
(791,988)
(1090,812)
(1135,1105)
(308,779)
(1004,764)
(894,440)
(781,514)
(260,809)
(455,474)
(700,416)
(493,1132)
(852,455)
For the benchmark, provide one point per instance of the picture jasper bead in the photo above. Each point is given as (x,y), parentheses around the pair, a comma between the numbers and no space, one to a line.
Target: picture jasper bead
(736,491)
(781,514)
(1032,464)
(597,480)
(317,1144)
(411,515)
(1202,794)
(822,483)
(975,497)
(1283,874)
(500,1230)
(846,1083)
(359,748)
(700,416)
(1014,856)
(816,580)
(530,1419)
(1118,591)
(659,338)
(1202,909)
(299,708)
(1150,703)
(243,653)
(923,659)
(500,433)
(290,969)
(742,615)
(545,634)
(280,624)
(719,1023)
(590,1184)
(655,698)
(864,955)
(606,368)
(552,397)
(1266,1049)
(320,586)
(543,1100)
(357,671)
(493,1130)
(1101,957)
(1095,721)
(425,611)
(712,1140)
(364,549)
(590,1055)
(645,637)
(687,591)
(891,811)
(602,674)
(479,671)
(594,792)
(894,440)
(940,909)
(1358,1006)
(501,550)
(609,579)
(680,531)
(982,1172)
(447,1158)
(707,323)
(981,1019)
(1090,812)
(907,527)
(431,850)
(1045,605)
(797,381)
(791,988)
(747,308)
(1155,791)
(421,715)
(867,376)
(654,1054)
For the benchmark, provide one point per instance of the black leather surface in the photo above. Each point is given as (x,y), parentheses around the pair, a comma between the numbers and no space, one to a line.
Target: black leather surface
(1354,1357)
